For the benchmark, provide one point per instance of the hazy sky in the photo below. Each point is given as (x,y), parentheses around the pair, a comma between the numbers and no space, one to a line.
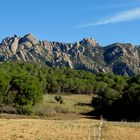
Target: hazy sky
(107,21)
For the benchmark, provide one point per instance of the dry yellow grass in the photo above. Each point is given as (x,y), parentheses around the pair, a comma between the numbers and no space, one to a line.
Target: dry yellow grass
(64,126)
(121,131)
(37,129)
(31,129)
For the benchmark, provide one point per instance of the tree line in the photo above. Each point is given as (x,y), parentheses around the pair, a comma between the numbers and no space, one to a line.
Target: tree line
(22,85)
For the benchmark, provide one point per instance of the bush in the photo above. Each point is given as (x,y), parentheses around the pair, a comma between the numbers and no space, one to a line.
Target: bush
(59,99)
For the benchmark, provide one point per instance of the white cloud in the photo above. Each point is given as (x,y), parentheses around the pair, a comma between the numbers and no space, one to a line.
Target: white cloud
(129,15)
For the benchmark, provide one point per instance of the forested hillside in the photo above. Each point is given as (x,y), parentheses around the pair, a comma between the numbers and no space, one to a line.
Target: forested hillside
(22,85)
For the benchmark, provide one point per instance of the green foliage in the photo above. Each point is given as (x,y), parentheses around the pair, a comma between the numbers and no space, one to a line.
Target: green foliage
(23,84)
(122,101)
(4,87)
(19,88)
(29,92)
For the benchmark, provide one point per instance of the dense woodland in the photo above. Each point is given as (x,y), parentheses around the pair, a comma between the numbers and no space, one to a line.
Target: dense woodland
(22,85)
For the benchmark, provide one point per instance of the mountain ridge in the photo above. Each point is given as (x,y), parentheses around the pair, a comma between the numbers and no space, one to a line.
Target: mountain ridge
(87,54)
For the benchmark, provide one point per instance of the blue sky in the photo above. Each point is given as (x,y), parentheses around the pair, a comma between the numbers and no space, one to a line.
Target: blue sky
(107,21)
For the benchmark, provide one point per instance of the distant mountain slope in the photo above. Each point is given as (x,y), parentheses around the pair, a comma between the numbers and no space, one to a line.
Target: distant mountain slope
(119,58)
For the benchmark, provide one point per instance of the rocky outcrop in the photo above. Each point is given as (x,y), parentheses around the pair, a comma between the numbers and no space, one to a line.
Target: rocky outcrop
(88,41)
(119,58)
(14,45)
(123,58)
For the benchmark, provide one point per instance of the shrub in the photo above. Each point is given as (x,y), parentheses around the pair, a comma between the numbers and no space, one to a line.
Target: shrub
(59,99)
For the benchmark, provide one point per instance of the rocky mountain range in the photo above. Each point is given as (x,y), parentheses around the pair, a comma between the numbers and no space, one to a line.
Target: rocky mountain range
(119,58)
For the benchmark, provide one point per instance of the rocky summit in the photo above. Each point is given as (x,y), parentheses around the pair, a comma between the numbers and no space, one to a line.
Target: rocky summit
(119,58)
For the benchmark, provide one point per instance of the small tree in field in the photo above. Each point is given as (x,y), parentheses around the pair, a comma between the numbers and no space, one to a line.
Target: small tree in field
(59,99)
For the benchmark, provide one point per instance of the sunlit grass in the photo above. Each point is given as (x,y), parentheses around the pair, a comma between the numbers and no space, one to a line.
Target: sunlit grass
(72,104)
(39,129)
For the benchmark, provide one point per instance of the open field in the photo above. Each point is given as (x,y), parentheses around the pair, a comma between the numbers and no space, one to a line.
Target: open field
(75,104)
(71,102)
(63,122)
(28,129)
(37,129)
(120,131)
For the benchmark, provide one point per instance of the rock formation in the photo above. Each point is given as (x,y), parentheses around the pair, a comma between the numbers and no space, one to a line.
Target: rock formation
(119,58)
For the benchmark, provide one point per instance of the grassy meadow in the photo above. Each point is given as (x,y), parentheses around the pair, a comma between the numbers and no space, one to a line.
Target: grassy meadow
(72,104)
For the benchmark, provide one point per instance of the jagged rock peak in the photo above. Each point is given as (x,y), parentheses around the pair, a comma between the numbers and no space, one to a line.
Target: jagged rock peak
(31,38)
(9,39)
(119,58)
(29,35)
(89,41)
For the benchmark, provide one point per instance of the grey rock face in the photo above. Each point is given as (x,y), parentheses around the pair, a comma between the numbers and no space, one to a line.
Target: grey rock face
(119,58)
(14,45)
(123,58)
